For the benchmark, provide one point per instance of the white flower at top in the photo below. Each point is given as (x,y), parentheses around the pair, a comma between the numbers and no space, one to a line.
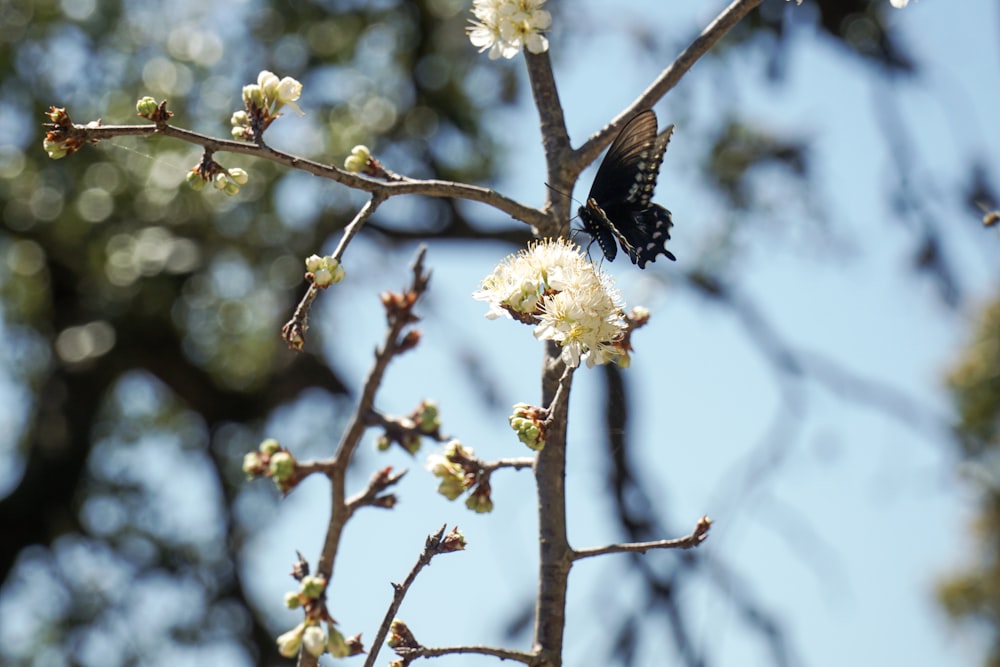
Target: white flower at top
(504,27)
(554,286)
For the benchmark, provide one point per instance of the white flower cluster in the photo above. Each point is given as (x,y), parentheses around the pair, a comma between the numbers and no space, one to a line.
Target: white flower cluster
(504,27)
(554,286)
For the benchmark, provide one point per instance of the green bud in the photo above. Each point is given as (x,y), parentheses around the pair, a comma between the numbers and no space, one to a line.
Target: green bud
(429,417)
(479,503)
(55,149)
(232,188)
(336,645)
(282,466)
(195,180)
(146,107)
(382,443)
(269,446)
(314,262)
(292,600)
(312,587)
(362,152)
(411,443)
(253,96)
(252,464)
(322,277)
(290,642)
(336,269)
(355,164)
(239,118)
(527,432)
(451,487)
(240,176)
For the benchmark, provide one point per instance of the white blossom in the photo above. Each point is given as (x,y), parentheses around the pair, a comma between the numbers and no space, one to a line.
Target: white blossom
(554,286)
(288,92)
(504,27)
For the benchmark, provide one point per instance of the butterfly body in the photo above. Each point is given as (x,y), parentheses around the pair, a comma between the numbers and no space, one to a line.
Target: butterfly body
(618,207)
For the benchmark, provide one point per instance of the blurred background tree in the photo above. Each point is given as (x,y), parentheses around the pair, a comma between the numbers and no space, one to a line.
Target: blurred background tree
(141,319)
(972,596)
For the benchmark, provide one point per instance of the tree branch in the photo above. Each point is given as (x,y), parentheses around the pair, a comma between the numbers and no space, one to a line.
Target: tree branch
(431,188)
(340,511)
(697,536)
(431,652)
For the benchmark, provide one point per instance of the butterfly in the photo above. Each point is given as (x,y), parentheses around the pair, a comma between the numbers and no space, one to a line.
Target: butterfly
(618,206)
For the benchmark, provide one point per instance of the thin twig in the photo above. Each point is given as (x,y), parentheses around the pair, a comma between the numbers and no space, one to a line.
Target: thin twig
(294,330)
(432,547)
(697,536)
(370,497)
(516,464)
(496,652)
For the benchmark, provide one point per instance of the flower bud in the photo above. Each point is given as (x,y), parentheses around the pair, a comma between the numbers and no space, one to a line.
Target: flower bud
(429,417)
(290,642)
(357,161)
(354,164)
(479,501)
(529,425)
(253,96)
(362,152)
(312,587)
(451,487)
(314,640)
(292,600)
(282,466)
(239,118)
(195,180)
(322,277)
(55,149)
(453,541)
(146,107)
(268,82)
(252,464)
(269,446)
(336,269)
(411,443)
(314,263)
(240,176)
(336,644)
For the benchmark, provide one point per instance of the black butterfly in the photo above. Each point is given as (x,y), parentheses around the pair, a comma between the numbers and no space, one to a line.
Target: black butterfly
(618,205)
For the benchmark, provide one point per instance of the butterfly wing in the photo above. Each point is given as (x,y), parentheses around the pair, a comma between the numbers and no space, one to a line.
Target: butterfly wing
(619,206)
